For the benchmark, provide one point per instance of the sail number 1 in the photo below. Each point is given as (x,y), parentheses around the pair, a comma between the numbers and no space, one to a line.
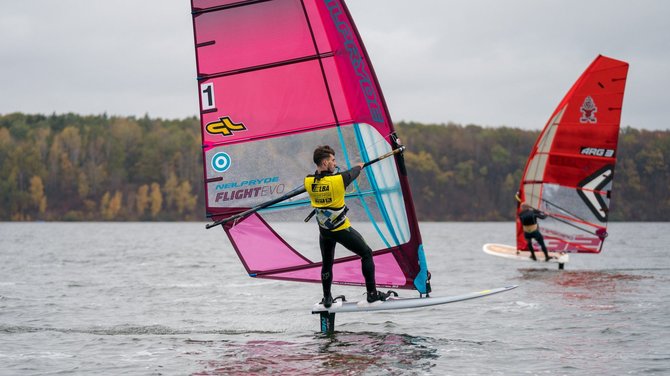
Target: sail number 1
(207,96)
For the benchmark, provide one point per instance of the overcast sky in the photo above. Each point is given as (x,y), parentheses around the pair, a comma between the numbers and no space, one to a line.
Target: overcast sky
(488,62)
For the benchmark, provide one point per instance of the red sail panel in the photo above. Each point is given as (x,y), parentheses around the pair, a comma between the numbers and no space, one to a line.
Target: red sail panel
(571,167)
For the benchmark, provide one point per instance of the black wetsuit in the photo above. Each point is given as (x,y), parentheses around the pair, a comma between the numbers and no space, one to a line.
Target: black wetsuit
(349,238)
(529,217)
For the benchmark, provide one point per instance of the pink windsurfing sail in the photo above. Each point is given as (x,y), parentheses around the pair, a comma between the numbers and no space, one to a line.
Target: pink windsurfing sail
(570,170)
(276,79)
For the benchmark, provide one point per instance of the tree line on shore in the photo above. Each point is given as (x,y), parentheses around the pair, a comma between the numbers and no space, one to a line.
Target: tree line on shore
(96,168)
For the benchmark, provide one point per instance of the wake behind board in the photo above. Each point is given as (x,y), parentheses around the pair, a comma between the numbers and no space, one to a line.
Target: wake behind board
(403,303)
(511,252)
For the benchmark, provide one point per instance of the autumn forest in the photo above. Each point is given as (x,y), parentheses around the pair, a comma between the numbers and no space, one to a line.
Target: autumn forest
(99,168)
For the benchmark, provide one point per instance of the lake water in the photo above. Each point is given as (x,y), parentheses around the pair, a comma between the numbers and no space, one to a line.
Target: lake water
(173,299)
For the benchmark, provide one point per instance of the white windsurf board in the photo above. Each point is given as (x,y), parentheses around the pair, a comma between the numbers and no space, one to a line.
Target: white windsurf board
(510,252)
(402,303)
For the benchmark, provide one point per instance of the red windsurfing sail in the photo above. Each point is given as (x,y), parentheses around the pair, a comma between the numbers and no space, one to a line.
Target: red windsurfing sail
(570,170)
(276,79)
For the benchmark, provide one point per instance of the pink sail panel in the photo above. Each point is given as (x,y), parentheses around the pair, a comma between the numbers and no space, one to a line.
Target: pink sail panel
(260,248)
(283,105)
(266,255)
(570,170)
(387,273)
(248,36)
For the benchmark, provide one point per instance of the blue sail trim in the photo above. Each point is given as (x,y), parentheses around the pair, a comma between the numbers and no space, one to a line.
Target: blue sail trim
(364,155)
(376,189)
(422,277)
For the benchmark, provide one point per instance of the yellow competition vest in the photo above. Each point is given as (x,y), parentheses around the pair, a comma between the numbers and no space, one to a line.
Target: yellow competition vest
(327,197)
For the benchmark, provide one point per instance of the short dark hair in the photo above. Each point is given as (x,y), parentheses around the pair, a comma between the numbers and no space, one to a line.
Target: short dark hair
(321,153)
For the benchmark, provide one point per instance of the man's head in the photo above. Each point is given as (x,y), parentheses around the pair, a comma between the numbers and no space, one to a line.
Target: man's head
(324,158)
(525,206)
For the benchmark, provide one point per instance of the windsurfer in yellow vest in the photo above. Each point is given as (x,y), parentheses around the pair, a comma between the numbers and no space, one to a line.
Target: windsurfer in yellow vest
(326,190)
(528,217)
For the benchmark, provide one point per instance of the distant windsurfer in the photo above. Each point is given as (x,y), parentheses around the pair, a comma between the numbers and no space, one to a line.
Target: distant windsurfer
(326,190)
(528,217)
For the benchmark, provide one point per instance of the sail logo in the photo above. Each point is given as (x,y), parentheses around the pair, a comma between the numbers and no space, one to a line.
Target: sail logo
(576,243)
(597,152)
(221,162)
(249,189)
(357,59)
(250,193)
(588,110)
(250,182)
(591,191)
(224,126)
